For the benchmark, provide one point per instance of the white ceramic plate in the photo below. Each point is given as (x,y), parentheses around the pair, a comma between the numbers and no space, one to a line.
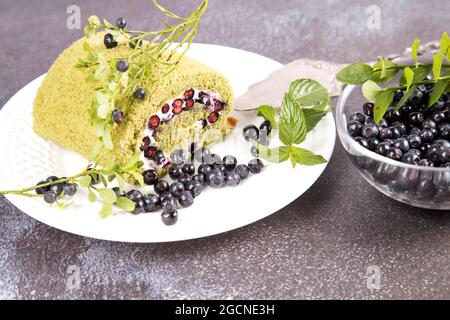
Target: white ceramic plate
(26,158)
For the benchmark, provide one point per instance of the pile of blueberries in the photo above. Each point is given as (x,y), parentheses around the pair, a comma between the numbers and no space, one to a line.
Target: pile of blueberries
(416,134)
(53,192)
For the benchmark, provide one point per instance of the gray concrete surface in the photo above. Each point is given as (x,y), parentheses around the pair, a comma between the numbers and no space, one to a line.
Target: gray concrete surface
(320,246)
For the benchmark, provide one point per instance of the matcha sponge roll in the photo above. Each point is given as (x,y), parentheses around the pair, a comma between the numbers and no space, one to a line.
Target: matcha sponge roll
(190,104)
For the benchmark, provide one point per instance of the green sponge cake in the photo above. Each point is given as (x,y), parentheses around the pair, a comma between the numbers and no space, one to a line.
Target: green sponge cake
(190,104)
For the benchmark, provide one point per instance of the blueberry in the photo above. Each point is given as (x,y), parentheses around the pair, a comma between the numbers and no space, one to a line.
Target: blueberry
(165,196)
(175,171)
(220,168)
(392,115)
(229,162)
(368,108)
(169,204)
(50,197)
(263,139)
(214,159)
(189,169)
(204,169)
(121,23)
(242,170)
(416,118)
(202,154)
(414,140)
(251,132)
(169,217)
(373,143)
(423,148)
(382,148)
(254,151)
(186,199)
(439,117)
(385,133)
(109,41)
(151,202)
(232,179)
(354,128)
(215,179)
(370,131)
(200,177)
(429,124)
(122,66)
(401,126)
(442,142)
(399,95)
(176,188)
(139,93)
(134,195)
(150,177)
(42,190)
(195,187)
(383,123)
(410,158)
(255,165)
(139,206)
(415,130)
(52,179)
(362,141)
(402,144)
(160,158)
(427,135)
(184,178)
(396,133)
(358,116)
(265,127)
(416,98)
(444,130)
(178,156)
(56,188)
(394,154)
(161,186)
(443,155)
(70,189)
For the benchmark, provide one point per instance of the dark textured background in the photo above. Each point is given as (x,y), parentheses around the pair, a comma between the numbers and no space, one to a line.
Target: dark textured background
(318,247)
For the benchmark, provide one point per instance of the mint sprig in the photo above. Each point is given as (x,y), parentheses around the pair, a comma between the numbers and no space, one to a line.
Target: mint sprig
(411,76)
(303,106)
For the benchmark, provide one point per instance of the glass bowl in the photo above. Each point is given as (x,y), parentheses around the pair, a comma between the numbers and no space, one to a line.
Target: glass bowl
(423,187)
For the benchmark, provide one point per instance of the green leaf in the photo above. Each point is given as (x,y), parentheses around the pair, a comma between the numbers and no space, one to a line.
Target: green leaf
(103,111)
(91,195)
(268,113)
(94,20)
(356,73)
(415,51)
(445,44)
(387,72)
(125,204)
(275,155)
(437,65)
(305,157)
(382,103)
(370,90)
(132,161)
(95,152)
(409,77)
(138,176)
(405,97)
(102,73)
(121,182)
(85,181)
(108,195)
(438,90)
(106,210)
(308,92)
(420,73)
(292,122)
(107,140)
(99,128)
(313,117)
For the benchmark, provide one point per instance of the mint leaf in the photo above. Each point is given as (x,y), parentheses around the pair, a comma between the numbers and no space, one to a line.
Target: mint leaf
(437,65)
(387,72)
(275,155)
(405,97)
(409,77)
(268,113)
(438,89)
(370,90)
(125,204)
(313,117)
(106,210)
(382,103)
(292,122)
(356,73)
(108,195)
(415,51)
(305,157)
(308,92)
